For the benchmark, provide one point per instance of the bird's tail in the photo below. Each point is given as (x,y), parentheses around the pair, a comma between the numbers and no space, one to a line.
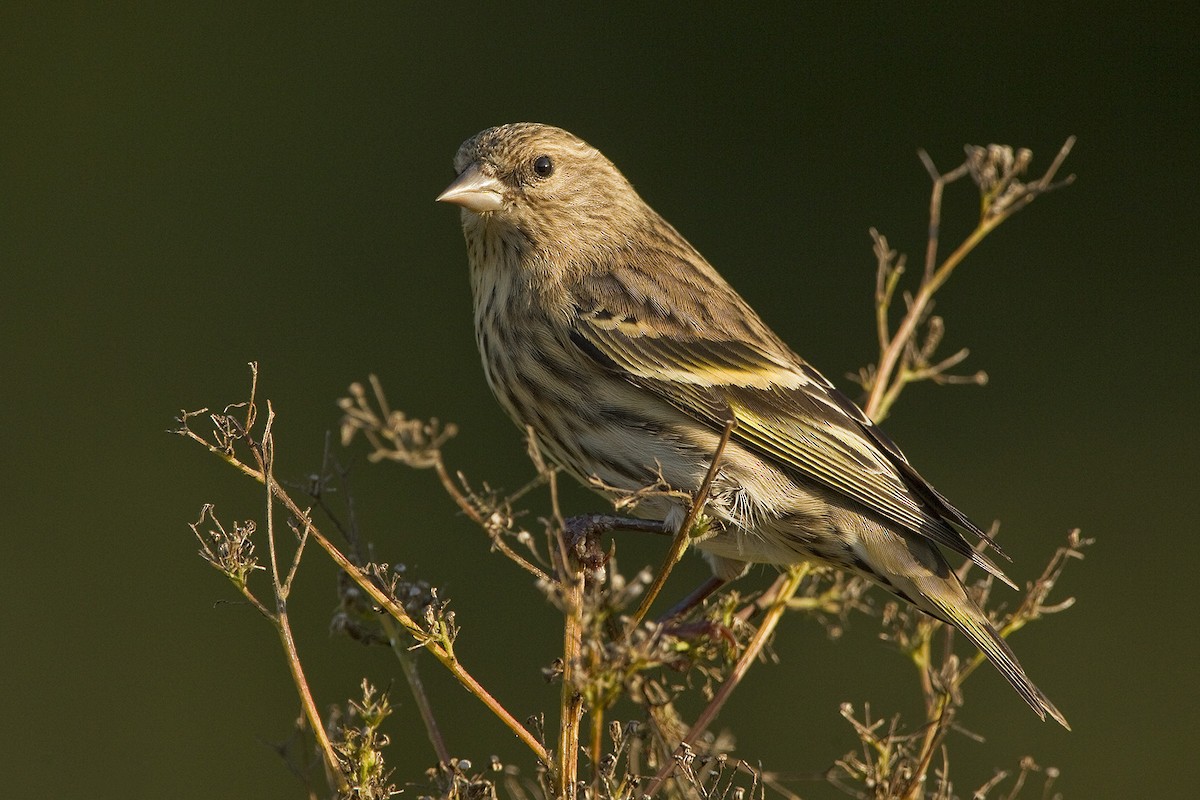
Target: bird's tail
(946,599)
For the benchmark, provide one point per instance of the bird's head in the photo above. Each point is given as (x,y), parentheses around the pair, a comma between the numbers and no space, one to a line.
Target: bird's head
(547,183)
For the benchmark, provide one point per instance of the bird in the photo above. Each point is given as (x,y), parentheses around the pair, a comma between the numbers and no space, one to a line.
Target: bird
(612,340)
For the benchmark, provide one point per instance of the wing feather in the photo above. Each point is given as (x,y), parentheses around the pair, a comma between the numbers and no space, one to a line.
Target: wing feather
(785,411)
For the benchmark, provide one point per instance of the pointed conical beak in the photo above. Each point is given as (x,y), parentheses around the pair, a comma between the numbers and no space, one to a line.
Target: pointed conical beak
(474,191)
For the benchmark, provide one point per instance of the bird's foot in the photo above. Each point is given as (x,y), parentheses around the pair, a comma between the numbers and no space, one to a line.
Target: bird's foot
(582,537)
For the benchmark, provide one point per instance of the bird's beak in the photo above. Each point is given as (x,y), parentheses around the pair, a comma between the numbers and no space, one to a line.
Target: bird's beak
(474,191)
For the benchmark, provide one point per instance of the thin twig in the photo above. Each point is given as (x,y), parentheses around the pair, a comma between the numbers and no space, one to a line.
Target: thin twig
(283,625)
(940,716)
(394,633)
(683,535)
(302,539)
(468,508)
(791,582)
(412,675)
(887,277)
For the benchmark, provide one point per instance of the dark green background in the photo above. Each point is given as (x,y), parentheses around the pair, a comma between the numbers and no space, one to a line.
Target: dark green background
(183,190)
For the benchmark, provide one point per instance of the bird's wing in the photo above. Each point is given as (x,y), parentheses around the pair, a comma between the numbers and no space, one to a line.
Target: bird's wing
(784,410)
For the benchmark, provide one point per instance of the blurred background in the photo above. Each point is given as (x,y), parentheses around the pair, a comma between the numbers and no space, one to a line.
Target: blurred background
(185,189)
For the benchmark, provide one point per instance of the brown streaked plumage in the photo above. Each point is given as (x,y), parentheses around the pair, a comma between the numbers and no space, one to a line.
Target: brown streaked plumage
(608,334)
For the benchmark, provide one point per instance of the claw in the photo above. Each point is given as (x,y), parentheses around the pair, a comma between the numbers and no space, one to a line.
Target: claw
(582,535)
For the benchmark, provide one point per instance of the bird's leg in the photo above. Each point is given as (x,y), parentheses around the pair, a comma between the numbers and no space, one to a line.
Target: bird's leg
(582,535)
(698,595)
(670,622)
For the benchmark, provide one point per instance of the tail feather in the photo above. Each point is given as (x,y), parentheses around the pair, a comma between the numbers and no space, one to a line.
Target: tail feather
(916,570)
(962,613)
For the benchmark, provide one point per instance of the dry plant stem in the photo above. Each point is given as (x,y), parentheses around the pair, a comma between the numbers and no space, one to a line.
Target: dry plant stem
(408,663)
(935,208)
(461,500)
(887,278)
(683,535)
(572,700)
(571,710)
(406,657)
(332,767)
(283,625)
(791,582)
(890,357)
(396,611)
(939,723)
(934,278)
(596,747)
(457,495)
(938,713)
(938,701)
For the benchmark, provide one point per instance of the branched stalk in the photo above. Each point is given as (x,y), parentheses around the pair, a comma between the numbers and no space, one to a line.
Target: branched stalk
(282,589)
(439,651)
(408,663)
(1033,605)
(438,648)
(789,582)
(994,213)
(357,409)
(395,635)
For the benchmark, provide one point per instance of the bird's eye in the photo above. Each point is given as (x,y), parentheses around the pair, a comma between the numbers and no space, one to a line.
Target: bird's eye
(543,166)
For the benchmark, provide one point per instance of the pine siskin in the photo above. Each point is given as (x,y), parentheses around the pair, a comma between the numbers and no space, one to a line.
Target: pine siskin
(626,353)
